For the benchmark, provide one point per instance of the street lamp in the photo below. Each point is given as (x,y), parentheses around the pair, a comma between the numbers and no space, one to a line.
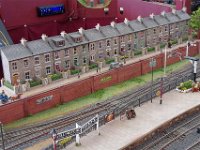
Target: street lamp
(152,64)
(194,62)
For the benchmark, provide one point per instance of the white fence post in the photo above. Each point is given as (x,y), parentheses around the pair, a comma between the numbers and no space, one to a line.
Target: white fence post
(97,124)
(77,136)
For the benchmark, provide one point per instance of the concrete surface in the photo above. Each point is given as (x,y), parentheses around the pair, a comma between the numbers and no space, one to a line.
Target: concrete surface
(149,116)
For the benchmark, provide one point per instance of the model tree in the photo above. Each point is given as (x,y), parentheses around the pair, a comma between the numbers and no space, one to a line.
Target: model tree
(195,22)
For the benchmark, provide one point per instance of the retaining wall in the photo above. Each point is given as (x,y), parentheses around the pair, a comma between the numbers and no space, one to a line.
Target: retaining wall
(31,105)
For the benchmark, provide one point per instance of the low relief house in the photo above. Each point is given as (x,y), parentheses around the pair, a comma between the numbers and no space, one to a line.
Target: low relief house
(38,59)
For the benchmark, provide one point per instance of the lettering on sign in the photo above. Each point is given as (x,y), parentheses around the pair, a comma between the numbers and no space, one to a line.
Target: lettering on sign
(106,79)
(69,133)
(44,99)
(89,124)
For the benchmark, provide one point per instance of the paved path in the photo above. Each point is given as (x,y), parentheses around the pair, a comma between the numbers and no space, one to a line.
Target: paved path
(58,83)
(116,134)
(149,116)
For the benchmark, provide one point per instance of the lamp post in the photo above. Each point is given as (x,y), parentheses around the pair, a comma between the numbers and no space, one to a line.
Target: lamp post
(2,138)
(152,64)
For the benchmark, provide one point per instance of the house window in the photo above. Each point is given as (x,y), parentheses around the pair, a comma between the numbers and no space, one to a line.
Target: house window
(108,53)
(66,52)
(61,43)
(135,35)
(100,46)
(154,31)
(115,41)
(135,45)
(75,61)
(165,28)
(14,65)
(122,39)
(92,58)
(48,70)
(84,60)
(47,58)
(129,47)
(25,63)
(108,43)
(56,55)
(91,46)
(75,51)
(115,51)
(37,60)
(67,64)
(27,75)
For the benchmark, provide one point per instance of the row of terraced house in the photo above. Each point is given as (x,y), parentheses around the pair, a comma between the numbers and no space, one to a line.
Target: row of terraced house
(30,60)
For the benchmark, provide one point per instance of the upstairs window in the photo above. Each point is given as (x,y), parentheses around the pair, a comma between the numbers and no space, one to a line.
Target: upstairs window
(75,51)
(91,46)
(26,63)
(47,58)
(115,41)
(122,39)
(66,52)
(56,55)
(14,65)
(37,60)
(48,70)
(108,43)
(27,75)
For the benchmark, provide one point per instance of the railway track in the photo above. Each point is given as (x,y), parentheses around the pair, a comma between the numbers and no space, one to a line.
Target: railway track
(195,146)
(16,138)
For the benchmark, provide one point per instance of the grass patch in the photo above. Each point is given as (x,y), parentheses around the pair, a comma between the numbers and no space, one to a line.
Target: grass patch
(92,66)
(137,53)
(74,72)
(35,83)
(109,61)
(98,96)
(55,76)
(8,85)
(162,45)
(151,49)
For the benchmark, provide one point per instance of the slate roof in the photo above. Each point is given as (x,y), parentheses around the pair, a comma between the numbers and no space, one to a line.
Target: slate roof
(94,34)
(137,26)
(161,20)
(182,15)
(172,17)
(18,51)
(124,29)
(109,31)
(150,23)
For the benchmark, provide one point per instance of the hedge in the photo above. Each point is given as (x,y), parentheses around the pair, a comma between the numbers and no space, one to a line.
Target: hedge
(137,53)
(35,83)
(74,72)
(108,61)
(151,49)
(8,85)
(92,66)
(56,76)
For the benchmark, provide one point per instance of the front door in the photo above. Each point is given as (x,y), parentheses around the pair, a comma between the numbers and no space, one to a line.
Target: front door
(15,79)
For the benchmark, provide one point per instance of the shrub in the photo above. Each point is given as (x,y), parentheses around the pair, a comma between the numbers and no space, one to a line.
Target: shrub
(74,72)
(137,53)
(56,76)
(162,45)
(92,66)
(108,61)
(64,141)
(185,85)
(174,42)
(151,49)
(8,85)
(35,83)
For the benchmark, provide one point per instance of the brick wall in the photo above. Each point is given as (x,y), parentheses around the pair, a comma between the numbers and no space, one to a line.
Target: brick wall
(31,105)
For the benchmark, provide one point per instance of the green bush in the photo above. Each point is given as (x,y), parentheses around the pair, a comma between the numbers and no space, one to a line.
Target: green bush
(162,45)
(151,49)
(174,42)
(108,61)
(185,85)
(74,72)
(137,53)
(92,66)
(56,76)
(35,83)
(8,85)
(64,141)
